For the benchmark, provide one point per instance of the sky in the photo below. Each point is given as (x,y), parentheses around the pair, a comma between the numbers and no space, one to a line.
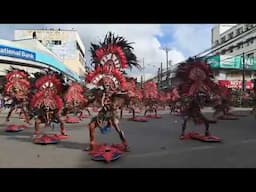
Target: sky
(184,40)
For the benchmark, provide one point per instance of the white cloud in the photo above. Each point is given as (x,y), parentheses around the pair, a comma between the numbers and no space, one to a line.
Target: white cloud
(186,39)
(192,38)
(146,45)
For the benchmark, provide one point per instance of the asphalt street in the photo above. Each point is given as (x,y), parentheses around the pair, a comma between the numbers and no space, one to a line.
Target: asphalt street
(153,144)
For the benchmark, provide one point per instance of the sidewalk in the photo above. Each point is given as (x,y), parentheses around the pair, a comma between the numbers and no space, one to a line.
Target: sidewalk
(210,109)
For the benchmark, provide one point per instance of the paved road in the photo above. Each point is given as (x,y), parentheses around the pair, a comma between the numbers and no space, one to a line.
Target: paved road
(154,144)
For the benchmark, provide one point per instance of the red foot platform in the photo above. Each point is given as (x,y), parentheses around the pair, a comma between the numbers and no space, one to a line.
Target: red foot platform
(61,137)
(197,136)
(139,119)
(15,128)
(72,120)
(46,139)
(107,153)
(154,116)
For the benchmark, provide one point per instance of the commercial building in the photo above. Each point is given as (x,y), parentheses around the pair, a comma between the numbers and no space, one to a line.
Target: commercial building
(234,52)
(31,56)
(65,44)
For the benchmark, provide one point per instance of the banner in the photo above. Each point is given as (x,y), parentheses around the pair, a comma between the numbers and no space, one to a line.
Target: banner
(235,84)
(17,53)
(231,62)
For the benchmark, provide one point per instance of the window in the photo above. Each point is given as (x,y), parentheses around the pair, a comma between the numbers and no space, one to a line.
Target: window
(79,48)
(223,52)
(239,31)
(230,35)
(250,55)
(248,26)
(56,42)
(240,45)
(81,59)
(34,35)
(217,42)
(223,39)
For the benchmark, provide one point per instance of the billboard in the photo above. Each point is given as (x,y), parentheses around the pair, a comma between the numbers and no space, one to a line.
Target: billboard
(231,62)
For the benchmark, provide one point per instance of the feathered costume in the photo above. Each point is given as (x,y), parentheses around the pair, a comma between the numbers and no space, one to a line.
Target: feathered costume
(196,79)
(110,58)
(222,103)
(47,104)
(150,95)
(75,102)
(17,88)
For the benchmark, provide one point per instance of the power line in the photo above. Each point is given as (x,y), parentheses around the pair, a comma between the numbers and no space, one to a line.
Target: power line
(228,42)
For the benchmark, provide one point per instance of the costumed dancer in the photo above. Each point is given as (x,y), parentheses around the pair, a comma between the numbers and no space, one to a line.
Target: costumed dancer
(47,105)
(222,103)
(195,78)
(150,97)
(110,59)
(75,102)
(17,89)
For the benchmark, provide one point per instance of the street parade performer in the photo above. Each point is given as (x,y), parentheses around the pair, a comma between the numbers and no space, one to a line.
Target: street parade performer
(47,105)
(110,59)
(75,102)
(151,99)
(17,89)
(196,79)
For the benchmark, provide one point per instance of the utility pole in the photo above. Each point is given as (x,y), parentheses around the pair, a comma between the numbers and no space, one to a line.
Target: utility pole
(143,69)
(166,49)
(243,81)
(158,77)
(161,74)
(141,82)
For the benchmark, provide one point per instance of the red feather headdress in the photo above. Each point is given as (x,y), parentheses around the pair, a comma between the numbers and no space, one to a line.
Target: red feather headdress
(17,79)
(47,98)
(16,74)
(114,51)
(115,75)
(49,81)
(150,90)
(75,93)
(195,76)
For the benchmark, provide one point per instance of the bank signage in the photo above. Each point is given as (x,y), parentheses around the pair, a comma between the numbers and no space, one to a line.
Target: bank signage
(17,53)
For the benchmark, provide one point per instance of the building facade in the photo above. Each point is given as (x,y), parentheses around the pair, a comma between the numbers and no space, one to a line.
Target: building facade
(234,50)
(65,44)
(31,56)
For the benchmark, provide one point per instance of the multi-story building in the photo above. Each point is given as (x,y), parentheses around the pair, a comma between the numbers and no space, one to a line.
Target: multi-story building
(234,49)
(31,56)
(66,44)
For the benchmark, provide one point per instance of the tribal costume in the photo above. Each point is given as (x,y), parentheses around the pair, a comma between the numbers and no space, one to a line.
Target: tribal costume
(196,79)
(47,104)
(17,88)
(110,59)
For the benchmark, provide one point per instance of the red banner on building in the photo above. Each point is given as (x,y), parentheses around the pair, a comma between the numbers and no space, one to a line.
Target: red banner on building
(235,84)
